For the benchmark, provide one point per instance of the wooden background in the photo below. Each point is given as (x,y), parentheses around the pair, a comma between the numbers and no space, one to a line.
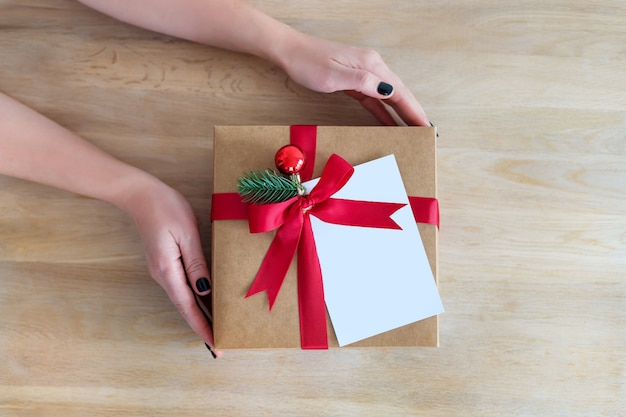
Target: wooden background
(530,101)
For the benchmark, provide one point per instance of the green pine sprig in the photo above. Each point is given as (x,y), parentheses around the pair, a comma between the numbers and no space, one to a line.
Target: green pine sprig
(268,187)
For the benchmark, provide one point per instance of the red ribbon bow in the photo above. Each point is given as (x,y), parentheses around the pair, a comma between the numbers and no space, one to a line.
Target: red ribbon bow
(292,218)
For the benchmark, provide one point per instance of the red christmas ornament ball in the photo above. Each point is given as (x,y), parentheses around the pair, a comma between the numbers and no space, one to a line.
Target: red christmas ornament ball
(290,159)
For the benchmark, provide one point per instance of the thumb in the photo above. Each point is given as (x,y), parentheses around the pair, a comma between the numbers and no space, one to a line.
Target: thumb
(367,83)
(195,264)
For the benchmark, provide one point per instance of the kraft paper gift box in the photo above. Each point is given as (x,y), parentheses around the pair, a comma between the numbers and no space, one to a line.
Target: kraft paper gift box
(241,322)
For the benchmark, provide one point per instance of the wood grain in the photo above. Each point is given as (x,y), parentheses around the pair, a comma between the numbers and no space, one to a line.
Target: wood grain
(529,100)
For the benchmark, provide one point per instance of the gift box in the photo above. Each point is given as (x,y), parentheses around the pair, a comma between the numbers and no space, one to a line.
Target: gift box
(241,322)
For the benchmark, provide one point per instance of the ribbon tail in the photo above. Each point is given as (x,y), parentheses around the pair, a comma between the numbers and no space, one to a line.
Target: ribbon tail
(358,213)
(313,330)
(277,260)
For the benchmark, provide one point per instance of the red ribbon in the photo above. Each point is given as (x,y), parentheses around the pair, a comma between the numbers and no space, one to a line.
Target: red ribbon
(305,136)
(292,219)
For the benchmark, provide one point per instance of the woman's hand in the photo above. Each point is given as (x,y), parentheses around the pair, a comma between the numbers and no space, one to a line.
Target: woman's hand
(169,230)
(327,66)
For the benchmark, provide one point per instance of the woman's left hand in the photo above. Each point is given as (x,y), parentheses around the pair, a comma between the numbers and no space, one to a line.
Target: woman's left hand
(327,66)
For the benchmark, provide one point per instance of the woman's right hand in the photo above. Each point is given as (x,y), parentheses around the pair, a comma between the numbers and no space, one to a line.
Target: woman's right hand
(169,231)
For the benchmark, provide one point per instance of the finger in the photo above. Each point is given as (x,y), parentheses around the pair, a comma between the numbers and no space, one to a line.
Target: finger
(185,301)
(385,85)
(407,107)
(365,82)
(206,306)
(194,263)
(402,100)
(374,106)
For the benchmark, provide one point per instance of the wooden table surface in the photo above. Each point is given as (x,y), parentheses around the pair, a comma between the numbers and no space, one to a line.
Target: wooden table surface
(530,100)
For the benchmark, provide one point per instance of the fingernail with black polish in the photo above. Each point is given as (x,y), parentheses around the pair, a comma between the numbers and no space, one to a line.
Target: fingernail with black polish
(384,88)
(431,123)
(211,350)
(203,285)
